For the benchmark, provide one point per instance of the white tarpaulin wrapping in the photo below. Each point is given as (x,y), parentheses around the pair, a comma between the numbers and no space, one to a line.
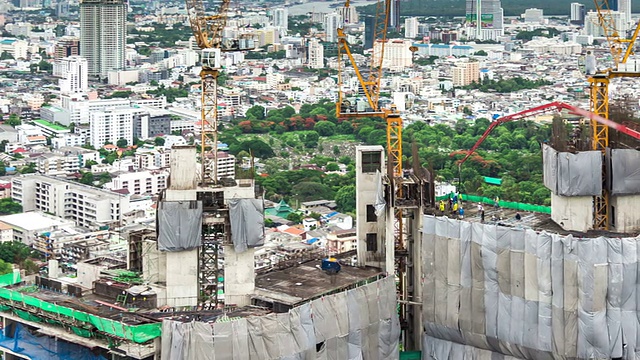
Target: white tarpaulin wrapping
(247,223)
(625,171)
(493,292)
(570,174)
(358,324)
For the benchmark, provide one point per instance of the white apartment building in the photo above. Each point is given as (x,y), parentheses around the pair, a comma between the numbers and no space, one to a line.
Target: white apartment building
(6,232)
(465,73)
(592,26)
(85,205)
(410,27)
(54,164)
(152,158)
(77,107)
(533,15)
(68,140)
(149,182)
(316,54)
(16,48)
(74,74)
(103,35)
(226,165)
(332,22)
(30,135)
(27,227)
(82,154)
(397,55)
(110,126)
(281,18)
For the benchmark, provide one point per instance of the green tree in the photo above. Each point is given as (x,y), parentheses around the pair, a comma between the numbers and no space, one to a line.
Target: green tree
(8,207)
(5,268)
(14,252)
(87,178)
(6,56)
(295,217)
(346,199)
(256,112)
(332,167)
(30,168)
(309,191)
(121,143)
(14,120)
(90,163)
(159,141)
(325,128)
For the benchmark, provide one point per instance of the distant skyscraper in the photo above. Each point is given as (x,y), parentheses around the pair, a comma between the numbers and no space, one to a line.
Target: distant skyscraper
(281,18)
(613,5)
(394,14)
(349,14)
(577,13)
(410,27)
(369,25)
(484,19)
(103,35)
(331,24)
(624,6)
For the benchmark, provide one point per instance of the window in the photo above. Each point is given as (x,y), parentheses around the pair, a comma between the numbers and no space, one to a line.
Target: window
(370,161)
(372,242)
(371,214)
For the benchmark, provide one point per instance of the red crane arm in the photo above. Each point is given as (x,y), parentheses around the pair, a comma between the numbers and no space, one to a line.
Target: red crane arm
(557,106)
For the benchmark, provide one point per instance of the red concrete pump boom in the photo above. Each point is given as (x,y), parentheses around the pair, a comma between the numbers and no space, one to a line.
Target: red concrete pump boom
(557,106)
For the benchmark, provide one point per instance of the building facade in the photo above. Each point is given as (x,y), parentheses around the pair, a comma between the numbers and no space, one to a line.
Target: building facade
(484,19)
(103,35)
(316,54)
(410,27)
(74,73)
(111,126)
(85,205)
(465,73)
(332,22)
(140,182)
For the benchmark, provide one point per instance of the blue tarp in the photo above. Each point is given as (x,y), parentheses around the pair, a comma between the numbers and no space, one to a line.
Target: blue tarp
(312,240)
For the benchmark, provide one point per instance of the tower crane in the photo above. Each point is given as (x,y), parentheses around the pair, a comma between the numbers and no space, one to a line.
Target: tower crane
(348,109)
(207,30)
(621,48)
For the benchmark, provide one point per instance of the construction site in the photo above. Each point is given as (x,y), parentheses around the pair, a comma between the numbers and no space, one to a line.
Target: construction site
(502,282)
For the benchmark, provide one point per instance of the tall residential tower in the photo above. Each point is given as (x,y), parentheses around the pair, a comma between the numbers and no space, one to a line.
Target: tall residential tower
(103,35)
(484,19)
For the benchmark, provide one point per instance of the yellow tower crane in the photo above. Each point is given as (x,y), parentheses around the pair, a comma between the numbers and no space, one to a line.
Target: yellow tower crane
(207,30)
(346,109)
(621,48)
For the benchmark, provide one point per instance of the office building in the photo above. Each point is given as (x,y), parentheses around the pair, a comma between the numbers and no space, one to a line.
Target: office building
(74,74)
(465,73)
(150,123)
(148,182)
(484,19)
(410,27)
(624,6)
(281,19)
(85,205)
(331,23)
(67,46)
(103,35)
(316,54)
(62,8)
(369,30)
(577,13)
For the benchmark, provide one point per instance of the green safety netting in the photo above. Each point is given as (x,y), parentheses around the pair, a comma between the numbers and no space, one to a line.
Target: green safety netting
(136,333)
(503,204)
(81,332)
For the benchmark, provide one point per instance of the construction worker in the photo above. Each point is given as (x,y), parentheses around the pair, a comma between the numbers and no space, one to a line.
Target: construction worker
(496,202)
(441,205)
(455,208)
(461,212)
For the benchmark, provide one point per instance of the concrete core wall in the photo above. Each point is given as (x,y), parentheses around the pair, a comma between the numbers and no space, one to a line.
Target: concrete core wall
(239,276)
(572,212)
(625,213)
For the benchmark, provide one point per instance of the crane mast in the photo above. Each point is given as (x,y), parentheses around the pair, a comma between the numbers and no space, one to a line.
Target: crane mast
(207,30)
(345,109)
(621,48)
